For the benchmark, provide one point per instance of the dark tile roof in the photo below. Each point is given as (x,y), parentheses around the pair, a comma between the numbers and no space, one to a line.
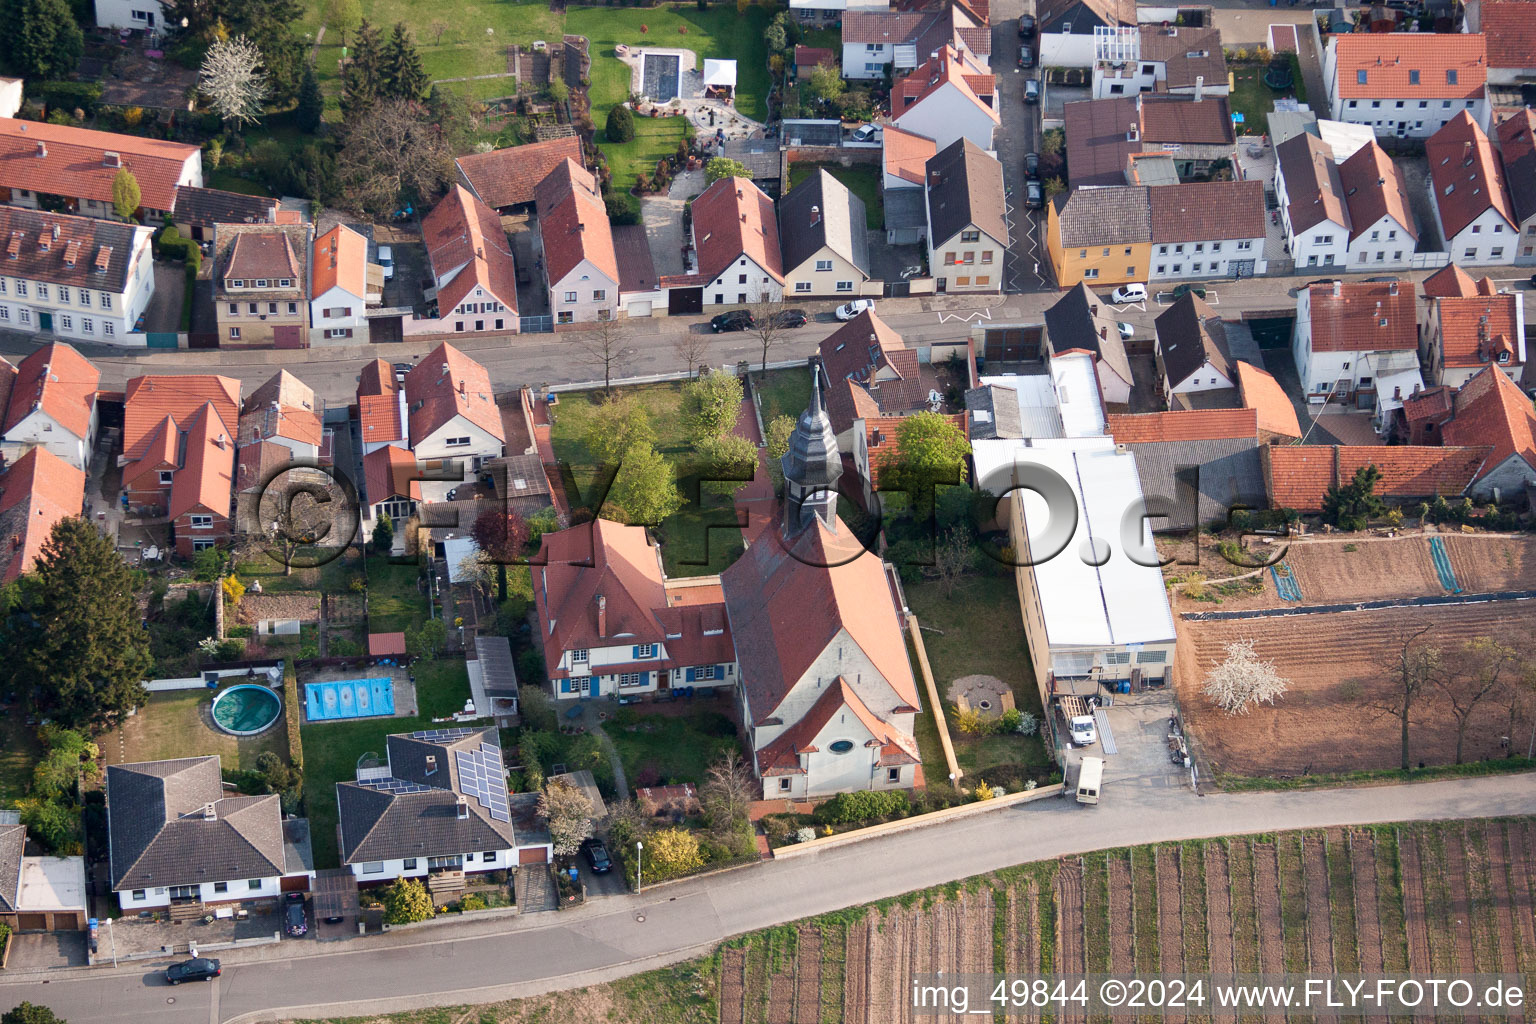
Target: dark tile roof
(965,186)
(86,252)
(636,271)
(1098,140)
(822,212)
(1226,472)
(169,823)
(1205,210)
(1313,190)
(204,207)
(1079,320)
(1104,216)
(13,840)
(1517,148)
(1189,333)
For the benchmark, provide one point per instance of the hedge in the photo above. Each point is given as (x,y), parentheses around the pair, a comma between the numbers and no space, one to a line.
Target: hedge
(292,712)
(862,806)
(72,95)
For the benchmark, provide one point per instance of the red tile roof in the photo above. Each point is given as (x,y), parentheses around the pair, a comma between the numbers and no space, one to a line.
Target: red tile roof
(1207,210)
(1263,394)
(949,67)
(1299,475)
(152,397)
(866,352)
(36,491)
(377,378)
(1392,61)
(262,255)
(1491,409)
(58,380)
(1374,187)
(1183,425)
(1449,280)
(1476,329)
(781,756)
(573,223)
(447,383)
(811,56)
(160,451)
(341,258)
(1510,28)
(385,644)
(906,154)
(1467,175)
(463,232)
(390,472)
(506,177)
(74,162)
(206,479)
(1364,316)
(257,463)
(733,218)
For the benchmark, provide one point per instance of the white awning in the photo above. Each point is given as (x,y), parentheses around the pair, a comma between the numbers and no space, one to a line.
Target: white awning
(720,73)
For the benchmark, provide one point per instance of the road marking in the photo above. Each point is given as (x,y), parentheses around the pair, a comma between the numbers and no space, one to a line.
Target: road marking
(1129,305)
(965,318)
(1211,298)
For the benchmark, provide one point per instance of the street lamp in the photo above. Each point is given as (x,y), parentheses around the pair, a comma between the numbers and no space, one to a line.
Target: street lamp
(639,859)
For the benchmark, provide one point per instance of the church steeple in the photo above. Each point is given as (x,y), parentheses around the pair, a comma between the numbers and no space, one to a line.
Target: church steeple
(812,465)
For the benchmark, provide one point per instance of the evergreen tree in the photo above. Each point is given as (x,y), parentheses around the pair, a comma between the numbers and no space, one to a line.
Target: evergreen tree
(362,81)
(311,101)
(76,650)
(1351,506)
(42,40)
(403,76)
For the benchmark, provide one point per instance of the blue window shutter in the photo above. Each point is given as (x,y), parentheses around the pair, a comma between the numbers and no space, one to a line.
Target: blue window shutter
(634,653)
(688,676)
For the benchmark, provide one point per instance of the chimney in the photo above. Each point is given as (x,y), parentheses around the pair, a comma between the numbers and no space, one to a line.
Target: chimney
(461,387)
(463,809)
(1199,87)
(221,440)
(1134,134)
(815,215)
(1104,333)
(42,149)
(55,231)
(209,814)
(431,765)
(602,615)
(1093,310)
(1391,287)
(1338,289)
(1397,391)
(111,159)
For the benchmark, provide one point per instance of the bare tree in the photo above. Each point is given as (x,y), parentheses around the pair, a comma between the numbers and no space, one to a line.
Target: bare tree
(1243,680)
(767,324)
(1409,671)
(437,28)
(727,792)
(393,154)
(692,348)
(605,349)
(234,80)
(953,558)
(1484,666)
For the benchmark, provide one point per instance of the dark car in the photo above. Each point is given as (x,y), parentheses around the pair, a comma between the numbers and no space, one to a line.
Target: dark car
(1533,280)
(735,320)
(790,318)
(1027,26)
(597,856)
(1026,55)
(294,921)
(1032,90)
(1034,195)
(1184,289)
(401,369)
(201,968)
(1032,166)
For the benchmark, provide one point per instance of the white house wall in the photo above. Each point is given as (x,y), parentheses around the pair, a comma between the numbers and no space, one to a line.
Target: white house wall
(389,870)
(743,281)
(1385,245)
(235,889)
(1214,258)
(1066,50)
(841,657)
(596,295)
(482,444)
(337,298)
(75,321)
(1489,240)
(39,430)
(949,273)
(867,61)
(805,281)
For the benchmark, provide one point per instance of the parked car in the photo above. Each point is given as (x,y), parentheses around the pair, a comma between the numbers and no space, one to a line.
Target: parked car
(1082,730)
(1032,166)
(597,856)
(203,968)
(294,921)
(1533,280)
(1034,195)
(849,310)
(867,133)
(735,320)
(1127,330)
(790,318)
(1129,293)
(1184,289)
(1027,26)
(387,261)
(401,369)
(1031,90)
(1026,56)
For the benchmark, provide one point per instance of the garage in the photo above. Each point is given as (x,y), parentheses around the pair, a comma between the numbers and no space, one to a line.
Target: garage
(683,301)
(532,855)
(638,308)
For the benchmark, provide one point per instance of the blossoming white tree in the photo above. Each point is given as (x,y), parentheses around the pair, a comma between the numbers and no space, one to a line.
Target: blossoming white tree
(1243,680)
(234,80)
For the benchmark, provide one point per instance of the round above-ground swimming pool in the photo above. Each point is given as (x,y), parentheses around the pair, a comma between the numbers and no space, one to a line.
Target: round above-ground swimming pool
(246,709)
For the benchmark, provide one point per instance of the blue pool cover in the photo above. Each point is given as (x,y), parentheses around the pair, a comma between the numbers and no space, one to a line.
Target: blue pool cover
(349,698)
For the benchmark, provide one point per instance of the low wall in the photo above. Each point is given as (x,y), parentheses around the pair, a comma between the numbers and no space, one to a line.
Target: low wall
(920,821)
(103,954)
(488,914)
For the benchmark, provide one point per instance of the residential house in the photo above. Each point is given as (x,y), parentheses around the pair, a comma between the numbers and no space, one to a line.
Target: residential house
(824,237)
(1382,235)
(968,234)
(950,96)
(1517,153)
(902,39)
(156,412)
(438,803)
(1191,351)
(1259,391)
(505,179)
(1195,465)
(451,411)
(260,278)
(1463,333)
(147,16)
(1406,84)
(1424,415)
(38,894)
(1062,402)
(1473,214)
(1069,29)
(381,408)
(391,486)
(11,96)
(904,203)
(474,277)
(1078,323)
(612,623)
(77,277)
(827,696)
(639,284)
(1103,136)
(284,411)
(1170,59)
(1099,235)
(202,486)
(1298,476)
(342,285)
(817,13)
(76,167)
(1490,409)
(736,238)
(198,210)
(580,262)
(48,400)
(1312,207)
(1207,229)
(37,489)
(1509,26)
(1350,335)
(176,837)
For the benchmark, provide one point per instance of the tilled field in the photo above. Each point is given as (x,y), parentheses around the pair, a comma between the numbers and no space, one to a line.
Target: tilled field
(1437,897)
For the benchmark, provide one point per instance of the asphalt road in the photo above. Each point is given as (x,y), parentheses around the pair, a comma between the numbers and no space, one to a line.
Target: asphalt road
(626,935)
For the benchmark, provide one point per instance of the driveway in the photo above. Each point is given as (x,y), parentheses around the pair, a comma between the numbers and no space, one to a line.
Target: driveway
(1025,268)
(664,221)
(164,311)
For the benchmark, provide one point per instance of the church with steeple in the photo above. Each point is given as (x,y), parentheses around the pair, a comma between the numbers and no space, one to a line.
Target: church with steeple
(826,691)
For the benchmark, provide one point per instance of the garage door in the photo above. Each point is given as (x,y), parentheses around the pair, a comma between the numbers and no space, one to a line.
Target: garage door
(288,336)
(31,922)
(681,301)
(639,307)
(534,855)
(295,883)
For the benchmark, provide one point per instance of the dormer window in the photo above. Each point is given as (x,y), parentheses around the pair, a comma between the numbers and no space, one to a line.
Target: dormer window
(285,283)
(1504,357)
(1450,76)
(262,283)
(237,283)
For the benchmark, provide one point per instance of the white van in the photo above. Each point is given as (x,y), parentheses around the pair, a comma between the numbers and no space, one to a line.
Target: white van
(1129,293)
(1089,780)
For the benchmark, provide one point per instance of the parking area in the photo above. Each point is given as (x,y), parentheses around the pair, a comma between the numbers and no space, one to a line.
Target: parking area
(1140,764)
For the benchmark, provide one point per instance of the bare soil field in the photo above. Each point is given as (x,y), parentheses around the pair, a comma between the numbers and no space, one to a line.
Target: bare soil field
(1362,851)
(1489,564)
(1334,662)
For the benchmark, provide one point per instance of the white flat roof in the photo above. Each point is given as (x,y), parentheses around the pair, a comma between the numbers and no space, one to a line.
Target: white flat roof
(1400,384)
(51,883)
(719,72)
(1062,403)
(1111,605)
(1344,138)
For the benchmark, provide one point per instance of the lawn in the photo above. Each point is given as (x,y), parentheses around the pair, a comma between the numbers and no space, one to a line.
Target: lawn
(1254,100)
(19,751)
(177,724)
(232,182)
(782,393)
(977,631)
(394,602)
(668,749)
(331,749)
(655,138)
(863,180)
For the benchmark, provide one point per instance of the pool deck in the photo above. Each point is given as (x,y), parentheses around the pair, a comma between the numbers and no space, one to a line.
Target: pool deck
(400,678)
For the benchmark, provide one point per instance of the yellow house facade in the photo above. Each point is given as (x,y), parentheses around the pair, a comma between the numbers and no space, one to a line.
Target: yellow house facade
(1099,236)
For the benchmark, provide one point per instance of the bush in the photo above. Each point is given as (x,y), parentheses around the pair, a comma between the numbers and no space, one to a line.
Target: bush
(623,208)
(69,95)
(406,901)
(472,901)
(805,835)
(621,125)
(1010,720)
(863,806)
(530,666)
